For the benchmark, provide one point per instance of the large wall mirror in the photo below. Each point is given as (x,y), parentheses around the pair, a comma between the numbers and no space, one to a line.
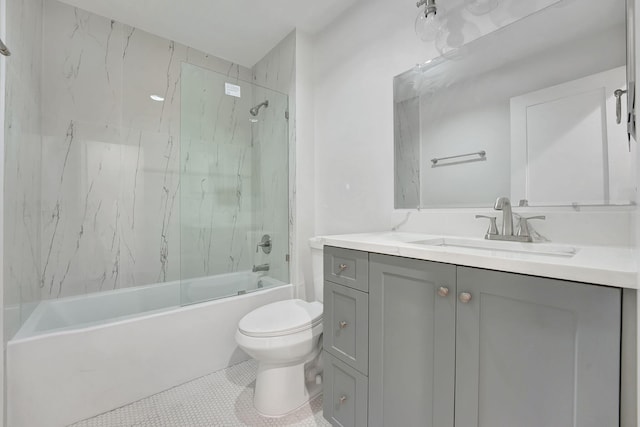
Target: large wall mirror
(536,111)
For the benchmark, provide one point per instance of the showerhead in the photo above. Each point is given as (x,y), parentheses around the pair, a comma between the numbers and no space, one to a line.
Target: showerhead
(255,110)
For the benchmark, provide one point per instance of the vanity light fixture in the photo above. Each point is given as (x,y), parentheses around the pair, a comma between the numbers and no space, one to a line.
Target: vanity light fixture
(433,22)
(429,20)
(480,7)
(157,98)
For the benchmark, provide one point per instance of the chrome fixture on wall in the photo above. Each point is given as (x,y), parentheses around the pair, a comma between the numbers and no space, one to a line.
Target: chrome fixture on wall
(255,110)
(265,244)
(259,268)
(4,50)
(482,155)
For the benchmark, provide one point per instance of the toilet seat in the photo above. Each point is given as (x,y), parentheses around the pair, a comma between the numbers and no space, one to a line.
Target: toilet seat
(281,318)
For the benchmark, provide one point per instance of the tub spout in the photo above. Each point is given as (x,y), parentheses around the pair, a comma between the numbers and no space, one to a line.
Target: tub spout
(261,267)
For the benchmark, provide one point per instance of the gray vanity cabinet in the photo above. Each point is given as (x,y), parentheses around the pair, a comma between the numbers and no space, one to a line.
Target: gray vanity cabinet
(346,336)
(411,342)
(534,352)
(452,346)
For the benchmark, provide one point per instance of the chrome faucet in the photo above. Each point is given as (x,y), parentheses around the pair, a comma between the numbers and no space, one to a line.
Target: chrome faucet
(261,267)
(504,204)
(523,235)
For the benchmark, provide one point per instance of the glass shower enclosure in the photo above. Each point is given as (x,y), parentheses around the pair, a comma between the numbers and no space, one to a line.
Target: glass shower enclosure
(234,195)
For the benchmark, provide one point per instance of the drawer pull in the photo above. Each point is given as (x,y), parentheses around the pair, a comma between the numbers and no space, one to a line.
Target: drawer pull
(443,291)
(343,399)
(342,267)
(464,297)
(342,324)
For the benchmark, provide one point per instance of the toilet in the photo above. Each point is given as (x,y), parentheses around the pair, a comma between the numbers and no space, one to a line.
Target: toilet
(285,338)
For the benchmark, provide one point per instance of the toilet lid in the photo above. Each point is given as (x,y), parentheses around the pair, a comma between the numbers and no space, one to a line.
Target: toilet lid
(281,318)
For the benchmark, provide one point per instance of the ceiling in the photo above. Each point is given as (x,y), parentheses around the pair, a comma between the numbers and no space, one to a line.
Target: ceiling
(240,31)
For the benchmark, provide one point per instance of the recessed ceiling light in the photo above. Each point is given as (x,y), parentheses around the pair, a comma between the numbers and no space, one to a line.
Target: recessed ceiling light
(157,98)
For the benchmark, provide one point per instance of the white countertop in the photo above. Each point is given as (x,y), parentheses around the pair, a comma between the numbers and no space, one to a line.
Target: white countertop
(602,265)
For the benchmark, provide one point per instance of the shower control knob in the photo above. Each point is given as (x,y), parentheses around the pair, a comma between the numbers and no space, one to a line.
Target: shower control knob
(265,244)
(464,297)
(443,291)
(342,324)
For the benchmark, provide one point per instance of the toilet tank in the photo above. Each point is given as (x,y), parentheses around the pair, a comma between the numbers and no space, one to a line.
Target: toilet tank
(317,245)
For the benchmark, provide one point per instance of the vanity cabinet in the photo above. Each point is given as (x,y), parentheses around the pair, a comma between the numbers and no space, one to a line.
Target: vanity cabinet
(466,347)
(346,337)
(412,342)
(534,352)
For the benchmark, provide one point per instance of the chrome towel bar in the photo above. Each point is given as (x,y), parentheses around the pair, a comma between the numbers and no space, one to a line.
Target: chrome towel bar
(482,155)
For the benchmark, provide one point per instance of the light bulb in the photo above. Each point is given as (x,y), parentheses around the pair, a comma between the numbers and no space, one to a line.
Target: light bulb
(455,35)
(480,7)
(428,26)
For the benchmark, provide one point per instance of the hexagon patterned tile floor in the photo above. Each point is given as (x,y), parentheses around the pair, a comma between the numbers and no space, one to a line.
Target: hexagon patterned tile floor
(221,399)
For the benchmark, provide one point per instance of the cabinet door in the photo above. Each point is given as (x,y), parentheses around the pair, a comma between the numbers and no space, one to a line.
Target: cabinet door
(534,352)
(411,342)
(345,394)
(345,325)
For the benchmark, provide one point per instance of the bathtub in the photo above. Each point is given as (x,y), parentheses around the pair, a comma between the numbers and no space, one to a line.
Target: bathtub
(78,357)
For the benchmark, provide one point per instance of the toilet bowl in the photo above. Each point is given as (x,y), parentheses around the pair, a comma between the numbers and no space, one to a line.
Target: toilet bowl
(285,338)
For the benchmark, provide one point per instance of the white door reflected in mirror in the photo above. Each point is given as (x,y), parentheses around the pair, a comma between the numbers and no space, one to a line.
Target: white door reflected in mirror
(566,147)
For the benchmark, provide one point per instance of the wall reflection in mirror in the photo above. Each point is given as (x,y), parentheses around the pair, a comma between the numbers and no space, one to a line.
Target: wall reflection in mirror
(537,97)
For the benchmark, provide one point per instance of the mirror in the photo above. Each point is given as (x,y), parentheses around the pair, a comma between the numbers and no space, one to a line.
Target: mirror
(528,111)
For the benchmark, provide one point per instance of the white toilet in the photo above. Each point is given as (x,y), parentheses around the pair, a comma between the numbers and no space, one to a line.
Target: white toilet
(285,338)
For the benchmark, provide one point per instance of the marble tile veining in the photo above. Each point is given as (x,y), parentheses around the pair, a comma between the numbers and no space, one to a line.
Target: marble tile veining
(407,154)
(125,197)
(23,162)
(273,163)
(111,186)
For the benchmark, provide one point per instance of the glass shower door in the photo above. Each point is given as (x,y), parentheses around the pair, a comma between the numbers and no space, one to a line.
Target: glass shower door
(234,186)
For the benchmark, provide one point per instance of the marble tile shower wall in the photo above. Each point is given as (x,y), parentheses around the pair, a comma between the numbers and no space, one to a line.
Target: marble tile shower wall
(110,179)
(407,153)
(23,141)
(217,169)
(274,180)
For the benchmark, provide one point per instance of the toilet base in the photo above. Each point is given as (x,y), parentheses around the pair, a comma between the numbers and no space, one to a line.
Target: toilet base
(283,389)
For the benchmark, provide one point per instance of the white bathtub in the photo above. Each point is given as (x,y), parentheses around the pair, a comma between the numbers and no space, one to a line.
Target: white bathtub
(77,357)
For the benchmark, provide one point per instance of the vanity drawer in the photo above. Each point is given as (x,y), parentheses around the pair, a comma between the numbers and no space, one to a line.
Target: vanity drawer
(347,267)
(346,325)
(345,394)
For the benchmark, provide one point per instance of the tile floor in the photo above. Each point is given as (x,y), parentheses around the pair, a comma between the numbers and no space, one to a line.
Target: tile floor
(221,399)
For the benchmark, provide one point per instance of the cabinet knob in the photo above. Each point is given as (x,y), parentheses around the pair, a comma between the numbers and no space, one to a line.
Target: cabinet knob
(443,291)
(342,324)
(343,399)
(342,267)
(464,297)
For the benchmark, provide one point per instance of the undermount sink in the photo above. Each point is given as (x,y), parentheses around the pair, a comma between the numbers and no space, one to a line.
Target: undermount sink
(544,249)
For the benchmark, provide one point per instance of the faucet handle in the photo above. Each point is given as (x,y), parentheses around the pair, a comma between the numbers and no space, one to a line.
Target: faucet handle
(523,229)
(493,228)
(265,244)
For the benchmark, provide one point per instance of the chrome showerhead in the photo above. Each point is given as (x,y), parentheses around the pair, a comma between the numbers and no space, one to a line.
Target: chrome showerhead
(255,110)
